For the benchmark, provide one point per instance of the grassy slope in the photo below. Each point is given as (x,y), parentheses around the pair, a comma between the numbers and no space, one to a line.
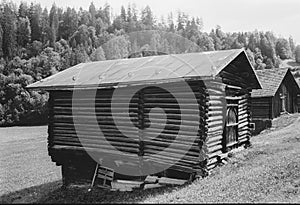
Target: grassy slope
(269,171)
(24,158)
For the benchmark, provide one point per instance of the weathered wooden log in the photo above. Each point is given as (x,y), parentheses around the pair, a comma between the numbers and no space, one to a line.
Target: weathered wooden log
(216,139)
(173,157)
(215,148)
(90,141)
(100,147)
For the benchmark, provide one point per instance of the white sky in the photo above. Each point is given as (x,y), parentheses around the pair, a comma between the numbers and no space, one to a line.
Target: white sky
(280,16)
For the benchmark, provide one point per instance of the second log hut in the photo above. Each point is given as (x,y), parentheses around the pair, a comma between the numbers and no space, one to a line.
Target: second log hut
(279,94)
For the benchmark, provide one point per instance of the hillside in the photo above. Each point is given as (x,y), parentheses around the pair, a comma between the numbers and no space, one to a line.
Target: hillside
(269,171)
(37,42)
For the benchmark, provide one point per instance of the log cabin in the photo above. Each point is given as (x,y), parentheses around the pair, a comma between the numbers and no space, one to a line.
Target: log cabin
(220,82)
(278,95)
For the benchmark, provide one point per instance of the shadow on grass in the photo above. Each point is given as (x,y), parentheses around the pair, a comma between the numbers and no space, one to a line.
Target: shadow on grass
(53,193)
(31,194)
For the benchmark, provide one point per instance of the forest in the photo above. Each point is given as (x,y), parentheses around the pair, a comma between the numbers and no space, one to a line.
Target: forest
(36,43)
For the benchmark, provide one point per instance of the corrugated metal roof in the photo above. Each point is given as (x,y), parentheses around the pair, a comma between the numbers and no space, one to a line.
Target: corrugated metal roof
(270,80)
(175,66)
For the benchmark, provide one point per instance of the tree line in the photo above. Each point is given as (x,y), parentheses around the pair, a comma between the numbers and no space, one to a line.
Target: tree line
(36,43)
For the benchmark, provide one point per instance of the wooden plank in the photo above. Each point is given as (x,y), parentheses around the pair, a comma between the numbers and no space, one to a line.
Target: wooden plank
(151,179)
(171,181)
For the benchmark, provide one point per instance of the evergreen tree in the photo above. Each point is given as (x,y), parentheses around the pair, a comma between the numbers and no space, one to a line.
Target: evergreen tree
(45,27)
(147,18)
(297,53)
(92,10)
(292,45)
(54,24)
(34,17)
(23,31)
(123,14)
(23,10)
(69,23)
(9,28)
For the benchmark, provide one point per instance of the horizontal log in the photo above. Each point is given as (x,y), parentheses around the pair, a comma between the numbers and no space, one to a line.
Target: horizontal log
(100,147)
(215,148)
(156,132)
(233,97)
(62,124)
(93,141)
(216,113)
(215,124)
(173,157)
(215,118)
(243,124)
(216,139)
(245,132)
(184,139)
(166,143)
(242,120)
(212,144)
(214,129)
(96,135)
(192,155)
(214,154)
(171,166)
(78,150)
(242,113)
(244,140)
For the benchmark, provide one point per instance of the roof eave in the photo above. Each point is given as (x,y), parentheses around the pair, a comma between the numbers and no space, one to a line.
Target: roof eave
(118,85)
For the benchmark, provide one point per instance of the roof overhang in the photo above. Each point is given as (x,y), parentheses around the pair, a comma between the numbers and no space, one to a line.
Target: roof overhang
(115,73)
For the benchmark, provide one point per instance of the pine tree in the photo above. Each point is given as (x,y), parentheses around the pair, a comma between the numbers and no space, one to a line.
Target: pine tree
(123,14)
(297,53)
(9,28)
(54,24)
(292,45)
(23,10)
(92,10)
(69,23)
(45,27)
(147,18)
(34,17)
(23,31)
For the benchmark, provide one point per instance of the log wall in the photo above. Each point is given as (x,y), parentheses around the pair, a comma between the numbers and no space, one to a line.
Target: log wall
(237,92)
(261,108)
(145,138)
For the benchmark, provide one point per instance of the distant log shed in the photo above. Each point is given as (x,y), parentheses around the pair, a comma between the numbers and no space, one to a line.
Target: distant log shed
(278,95)
(212,78)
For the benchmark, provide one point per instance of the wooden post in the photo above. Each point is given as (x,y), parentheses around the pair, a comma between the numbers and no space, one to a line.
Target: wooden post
(94,177)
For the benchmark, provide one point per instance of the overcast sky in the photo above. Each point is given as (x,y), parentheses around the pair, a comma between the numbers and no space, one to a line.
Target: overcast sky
(280,16)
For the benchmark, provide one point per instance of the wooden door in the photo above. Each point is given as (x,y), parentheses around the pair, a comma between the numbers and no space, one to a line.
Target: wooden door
(231,128)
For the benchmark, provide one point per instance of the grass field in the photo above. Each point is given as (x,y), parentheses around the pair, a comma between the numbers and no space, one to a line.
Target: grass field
(24,158)
(269,171)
